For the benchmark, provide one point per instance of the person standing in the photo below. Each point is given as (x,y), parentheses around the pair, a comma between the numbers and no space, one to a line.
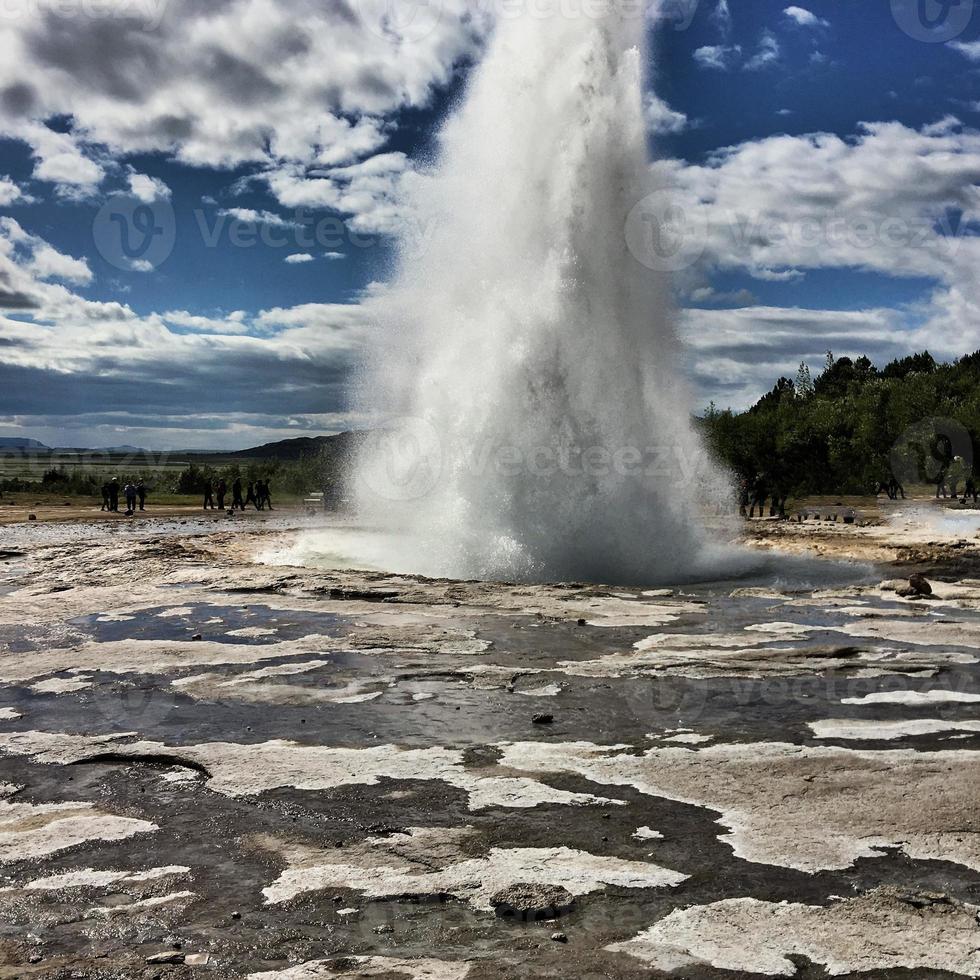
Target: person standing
(221,491)
(105,497)
(267,494)
(236,494)
(250,497)
(208,496)
(130,494)
(114,494)
(141,494)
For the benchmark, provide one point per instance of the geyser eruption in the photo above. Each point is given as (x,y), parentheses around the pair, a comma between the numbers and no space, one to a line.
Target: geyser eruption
(532,422)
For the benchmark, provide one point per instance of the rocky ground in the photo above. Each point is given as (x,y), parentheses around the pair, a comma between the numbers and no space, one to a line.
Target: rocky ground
(215,767)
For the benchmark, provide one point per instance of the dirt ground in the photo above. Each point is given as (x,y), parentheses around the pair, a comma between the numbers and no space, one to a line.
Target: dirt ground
(214,763)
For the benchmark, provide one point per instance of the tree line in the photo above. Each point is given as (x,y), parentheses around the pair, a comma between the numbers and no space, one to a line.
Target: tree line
(855,428)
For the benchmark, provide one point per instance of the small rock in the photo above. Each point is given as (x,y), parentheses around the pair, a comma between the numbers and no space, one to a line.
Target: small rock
(923,900)
(385,930)
(559,937)
(32,517)
(197,636)
(532,902)
(172,957)
(543,719)
(236,915)
(920,584)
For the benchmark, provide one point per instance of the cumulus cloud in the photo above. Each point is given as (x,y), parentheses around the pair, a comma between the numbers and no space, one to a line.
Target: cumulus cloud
(719,57)
(11,193)
(147,189)
(805,18)
(48,263)
(891,200)
(734,355)
(298,258)
(767,53)
(249,216)
(661,118)
(969,49)
(272,84)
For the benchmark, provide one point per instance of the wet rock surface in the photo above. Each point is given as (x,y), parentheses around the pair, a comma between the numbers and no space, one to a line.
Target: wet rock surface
(348,773)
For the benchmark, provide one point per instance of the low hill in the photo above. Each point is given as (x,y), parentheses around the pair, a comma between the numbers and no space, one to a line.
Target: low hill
(11,443)
(303,447)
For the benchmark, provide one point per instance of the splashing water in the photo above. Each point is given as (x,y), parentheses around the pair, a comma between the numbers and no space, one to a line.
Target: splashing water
(533,424)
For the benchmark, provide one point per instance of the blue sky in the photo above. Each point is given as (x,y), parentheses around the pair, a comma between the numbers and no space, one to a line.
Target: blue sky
(827,155)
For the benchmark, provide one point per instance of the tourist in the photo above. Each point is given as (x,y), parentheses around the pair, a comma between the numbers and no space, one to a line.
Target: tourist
(105,497)
(114,494)
(130,493)
(250,497)
(236,494)
(208,495)
(221,491)
(141,494)
(267,494)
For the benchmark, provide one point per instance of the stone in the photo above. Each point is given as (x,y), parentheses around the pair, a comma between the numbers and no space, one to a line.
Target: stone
(559,937)
(920,584)
(32,517)
(543,719)
(532,902)
(385,930)
(171,957)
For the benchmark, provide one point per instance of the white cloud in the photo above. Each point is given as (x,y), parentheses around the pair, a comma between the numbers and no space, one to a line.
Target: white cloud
(717,56)
(805,18)
(884,201)
(10,193)
(48,263)
(661,118)
(767,53)
(234,323)
(248,216)
(147,189)
(735,355)
(722,16)
(335,256)
(969,49)
(275,84)
(298,258)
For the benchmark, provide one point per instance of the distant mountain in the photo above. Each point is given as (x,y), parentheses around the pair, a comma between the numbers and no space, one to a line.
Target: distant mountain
(9,443)
(301,448)
(120,450)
